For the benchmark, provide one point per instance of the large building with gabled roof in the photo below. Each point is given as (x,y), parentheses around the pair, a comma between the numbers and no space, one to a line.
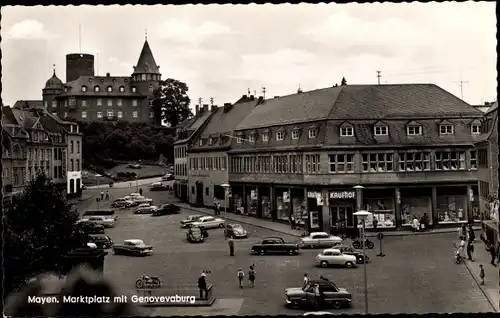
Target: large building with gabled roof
(87,97)
(410,146)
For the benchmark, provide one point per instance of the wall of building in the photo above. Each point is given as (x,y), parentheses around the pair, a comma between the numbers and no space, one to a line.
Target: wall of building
(208,171)
(74,167)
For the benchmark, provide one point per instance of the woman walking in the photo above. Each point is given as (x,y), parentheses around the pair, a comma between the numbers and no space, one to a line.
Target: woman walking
(251,276)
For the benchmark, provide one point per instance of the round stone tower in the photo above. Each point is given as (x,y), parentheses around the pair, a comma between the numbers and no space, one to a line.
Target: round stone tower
(78,64)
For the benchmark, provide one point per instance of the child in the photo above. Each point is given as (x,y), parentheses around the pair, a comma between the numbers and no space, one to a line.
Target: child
(306,280)
(241,274)
(481,273)
(251,276)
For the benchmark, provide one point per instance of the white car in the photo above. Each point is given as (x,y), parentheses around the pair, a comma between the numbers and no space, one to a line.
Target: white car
(101,220)
(319,239)
(142,200)
(333,256)
(145,209)
(135,194)
(209,222)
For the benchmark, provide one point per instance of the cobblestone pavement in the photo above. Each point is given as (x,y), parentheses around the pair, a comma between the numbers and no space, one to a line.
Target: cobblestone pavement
(418,274)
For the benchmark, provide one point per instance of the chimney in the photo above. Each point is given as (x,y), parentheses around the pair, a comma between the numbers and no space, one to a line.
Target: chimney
(244,97)
(108,75)
(252,97)
(227,106)
(261,100)
(213,108)
(205,108)
(197,109)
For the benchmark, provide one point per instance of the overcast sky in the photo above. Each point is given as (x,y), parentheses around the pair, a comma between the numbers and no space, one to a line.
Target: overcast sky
(222,51)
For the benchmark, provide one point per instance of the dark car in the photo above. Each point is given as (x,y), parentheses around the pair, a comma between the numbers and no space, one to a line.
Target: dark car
(349,250)
(236,231)
(133,247)
(166,209)
(308,296)
(101,241)
(121,203)
(159,187)
(91,227)
(168,177)
(275,245)
(195,235)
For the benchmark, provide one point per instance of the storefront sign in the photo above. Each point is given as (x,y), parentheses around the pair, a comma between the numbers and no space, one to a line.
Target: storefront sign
(342,195)
(311,194)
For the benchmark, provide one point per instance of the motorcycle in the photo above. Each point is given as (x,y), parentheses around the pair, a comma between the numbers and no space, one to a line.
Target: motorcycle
(148,282)
(357,244)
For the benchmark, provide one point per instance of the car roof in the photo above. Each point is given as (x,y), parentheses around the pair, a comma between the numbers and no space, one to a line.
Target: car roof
(206,217)
(323,233)
(134,241)
(234,224)
(273,238)
(195,216)
(321,282)
(331,250)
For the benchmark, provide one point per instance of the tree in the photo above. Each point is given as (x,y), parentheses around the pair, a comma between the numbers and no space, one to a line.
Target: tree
(39,230)
(171,102)
(344,82)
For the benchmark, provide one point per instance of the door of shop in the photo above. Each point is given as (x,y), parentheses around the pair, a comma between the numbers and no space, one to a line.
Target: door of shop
(199,193)
(342,213)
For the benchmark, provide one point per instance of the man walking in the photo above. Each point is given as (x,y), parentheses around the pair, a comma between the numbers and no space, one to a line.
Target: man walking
(107,195)
(292,222)
(491,249)
(481,273)
(470,250)
(231,246)
(202,285)
(102,195)
(240,275)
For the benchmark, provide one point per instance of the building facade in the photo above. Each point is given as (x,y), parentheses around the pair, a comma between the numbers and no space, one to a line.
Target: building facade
(37,142)
(207,154)
(487,150)
(410,146)
(185,132)
(86,97)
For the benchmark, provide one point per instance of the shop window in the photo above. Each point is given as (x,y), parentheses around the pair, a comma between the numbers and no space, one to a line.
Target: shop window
(415,161)
(416,207)
(451,209)
(312,163)
(282,205)
(377,162)
(383,210)
(450,160)
(413,130)
(381,130)
(341,163)
(473,159)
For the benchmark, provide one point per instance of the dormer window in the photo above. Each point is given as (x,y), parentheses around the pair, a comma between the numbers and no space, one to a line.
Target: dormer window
(122,89)
(475,129)
(210,141)
(110,89)
(446,129)
(295,133)
(134,89)
(381,130)
(200,142)
(313,133)
(97,89)
(265,138)
(239,140)
(280,135)
(413,130)
(251,138)
(66,89)
(346,131)
(84,88)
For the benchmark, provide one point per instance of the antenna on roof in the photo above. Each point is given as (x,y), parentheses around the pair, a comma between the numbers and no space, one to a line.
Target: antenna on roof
(461,83)
(200,101)
(211,101)
(264,92)
(54,67)
(379,76)
(146,33)
(249,93)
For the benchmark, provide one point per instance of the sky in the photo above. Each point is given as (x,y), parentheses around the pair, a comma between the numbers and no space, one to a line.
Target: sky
(223,51)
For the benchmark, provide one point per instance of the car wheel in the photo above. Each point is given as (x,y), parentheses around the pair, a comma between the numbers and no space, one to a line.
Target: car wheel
(337,304)
(290,252)
(221,225)
(311,246)
(262,252)
(324,264)
(349,264)
(295,304)
(139,283)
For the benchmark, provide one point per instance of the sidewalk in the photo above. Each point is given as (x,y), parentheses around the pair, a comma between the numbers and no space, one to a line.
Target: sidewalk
(491,282)
(285,228)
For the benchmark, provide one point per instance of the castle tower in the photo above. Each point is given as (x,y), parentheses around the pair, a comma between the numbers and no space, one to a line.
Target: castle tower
(53,87)
(146,76)
(77,65)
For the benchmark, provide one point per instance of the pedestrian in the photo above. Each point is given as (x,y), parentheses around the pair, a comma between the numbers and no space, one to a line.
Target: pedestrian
(240,275)
(140,191)
(472,236)
(102,195)
(491,249)
(231,246)
(481,273)
(251,276)
(215,206)
(306,280)
(130,184)
(462,232)
(107,195)
(202,285)
(292,222)
(415,223)
(218,207)
(470,250)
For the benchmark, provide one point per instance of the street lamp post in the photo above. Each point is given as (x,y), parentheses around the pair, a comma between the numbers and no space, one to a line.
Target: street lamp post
(98,194)
(362,215)
(136,184)
(226,190)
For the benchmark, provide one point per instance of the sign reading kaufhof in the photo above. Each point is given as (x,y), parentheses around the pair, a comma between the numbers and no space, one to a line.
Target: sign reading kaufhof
(342,195)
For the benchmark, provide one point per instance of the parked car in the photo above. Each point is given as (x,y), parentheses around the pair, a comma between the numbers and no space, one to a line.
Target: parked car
(319,239)
(145,209)
(189,220)
(308,295)
(101,241)
(122,203)
(209,222)
(235,231)
(158,186)
(140,200)
(349,250)
(195,235)
(168,177)
(134,166)
(90,227)
(166,209)
(275,245)
(106,213)
(101,220)
(133,247)
(332,256)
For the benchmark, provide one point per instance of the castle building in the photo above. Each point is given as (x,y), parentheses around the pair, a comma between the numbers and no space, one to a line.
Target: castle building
(86,97)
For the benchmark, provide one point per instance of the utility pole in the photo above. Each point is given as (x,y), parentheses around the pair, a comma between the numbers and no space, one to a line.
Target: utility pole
(264,92)
(379,76)
(461,83)
(200,101)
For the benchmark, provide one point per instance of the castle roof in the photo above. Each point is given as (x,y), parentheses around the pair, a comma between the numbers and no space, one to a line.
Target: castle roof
(54,82)
(146,62)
